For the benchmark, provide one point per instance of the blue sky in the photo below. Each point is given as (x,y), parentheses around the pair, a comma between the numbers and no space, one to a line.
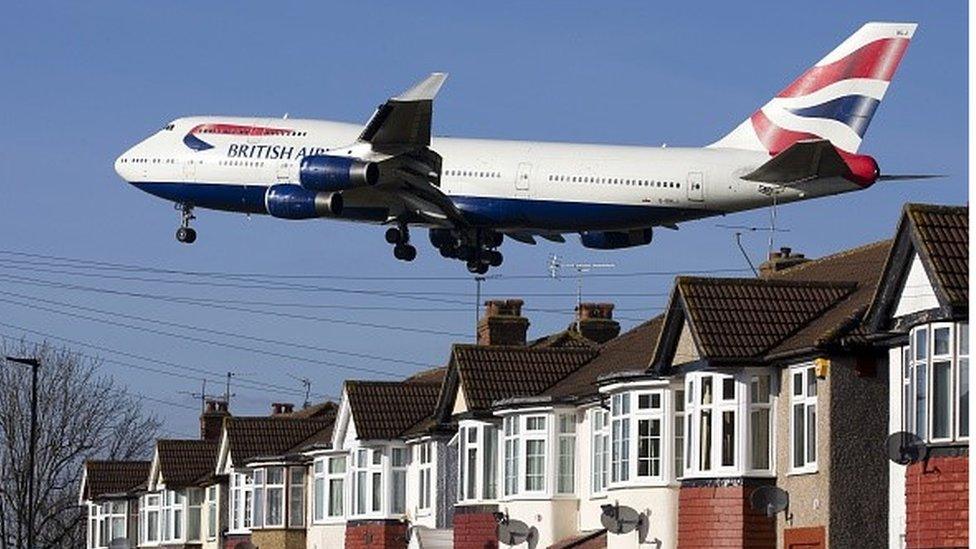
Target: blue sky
(84,81)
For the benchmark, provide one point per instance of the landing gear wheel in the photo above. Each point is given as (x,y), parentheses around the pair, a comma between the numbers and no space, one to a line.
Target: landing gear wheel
(494,258)
(404,252)
(448,252)
(394,236)
(477,267)
(186,235)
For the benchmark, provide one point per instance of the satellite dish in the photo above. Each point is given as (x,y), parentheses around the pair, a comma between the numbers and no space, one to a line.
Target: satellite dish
(621,520)
(119,543)
(904,448)
(513,532)
(769,499)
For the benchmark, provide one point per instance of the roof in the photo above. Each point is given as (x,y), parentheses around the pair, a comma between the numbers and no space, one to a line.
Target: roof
(734,318)
(386,410)
(845,321)
(491,373)
(939,236)
(631,350)
(265,436)
(569,338)
(186,462)
(103,478)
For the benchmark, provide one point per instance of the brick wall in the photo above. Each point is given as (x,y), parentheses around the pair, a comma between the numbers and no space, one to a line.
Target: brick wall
(376,534)
(475,527)
(232,540)
(720,516)
(937,503)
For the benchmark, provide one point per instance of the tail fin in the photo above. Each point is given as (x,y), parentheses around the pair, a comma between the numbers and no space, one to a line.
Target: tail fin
(835,99)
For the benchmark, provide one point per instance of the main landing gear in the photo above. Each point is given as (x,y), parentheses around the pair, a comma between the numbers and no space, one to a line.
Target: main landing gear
(399,236)
(476,247)
(185,234)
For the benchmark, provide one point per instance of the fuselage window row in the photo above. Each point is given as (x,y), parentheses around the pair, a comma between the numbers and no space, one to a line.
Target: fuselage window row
(614,181)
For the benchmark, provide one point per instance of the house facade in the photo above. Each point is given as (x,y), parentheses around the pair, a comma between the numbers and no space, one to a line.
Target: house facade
(110,501)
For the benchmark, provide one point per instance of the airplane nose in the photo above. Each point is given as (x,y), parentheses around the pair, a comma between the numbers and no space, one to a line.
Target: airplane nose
(118,167)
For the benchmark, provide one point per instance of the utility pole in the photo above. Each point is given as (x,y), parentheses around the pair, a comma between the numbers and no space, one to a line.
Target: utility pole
(34,365)
(556,264)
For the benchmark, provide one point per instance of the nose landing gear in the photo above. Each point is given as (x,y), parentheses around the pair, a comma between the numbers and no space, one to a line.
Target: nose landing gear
(185,234)
(400,238)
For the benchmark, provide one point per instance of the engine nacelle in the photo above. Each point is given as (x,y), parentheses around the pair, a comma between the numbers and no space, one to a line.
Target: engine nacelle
(614,240)
(327,173)
(294,202)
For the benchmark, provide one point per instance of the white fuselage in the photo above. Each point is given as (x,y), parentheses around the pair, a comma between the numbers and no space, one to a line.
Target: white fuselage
(511,185)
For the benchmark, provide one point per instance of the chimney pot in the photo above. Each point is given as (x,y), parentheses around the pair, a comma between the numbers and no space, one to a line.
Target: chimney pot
(780,261)
(279,408)
(596,323)
(212,419)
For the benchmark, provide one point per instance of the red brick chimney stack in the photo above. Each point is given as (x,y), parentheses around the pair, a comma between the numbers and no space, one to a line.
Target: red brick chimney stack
(595,322)
(780,261)
(212,419)
(503,323)
(280,408)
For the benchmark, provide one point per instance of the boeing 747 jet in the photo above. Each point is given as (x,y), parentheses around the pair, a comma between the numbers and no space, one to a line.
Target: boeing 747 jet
(472,193)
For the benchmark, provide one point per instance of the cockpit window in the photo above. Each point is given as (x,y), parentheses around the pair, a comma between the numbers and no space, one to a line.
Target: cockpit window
(169,127)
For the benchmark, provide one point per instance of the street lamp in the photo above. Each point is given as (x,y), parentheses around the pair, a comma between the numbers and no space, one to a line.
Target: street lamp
(34,365)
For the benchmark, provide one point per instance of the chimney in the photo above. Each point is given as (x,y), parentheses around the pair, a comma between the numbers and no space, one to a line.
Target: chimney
(503,323)
(280,408)
(780,261)
(595,322)
(212,419)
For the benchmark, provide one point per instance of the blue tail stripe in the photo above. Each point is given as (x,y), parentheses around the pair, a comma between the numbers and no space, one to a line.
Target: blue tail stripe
(854,110)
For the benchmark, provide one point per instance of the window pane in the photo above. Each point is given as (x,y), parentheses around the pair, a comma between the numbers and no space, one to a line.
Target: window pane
(705,446)
(759,390)
(472,471)
(319,511)
(963,330)
(399,491)
(921,399)
(337,465)
(759,427)
(489,472)
(361,492)
(377,491)
(799,454)
(963,397)
(941,338)
(941,398)
(728,439)
(811,434)
(921,344)
(728,389)
(798,383)
(535,456)
(706,390)
(643,402)
(567,465)
(335,497)
(811,382)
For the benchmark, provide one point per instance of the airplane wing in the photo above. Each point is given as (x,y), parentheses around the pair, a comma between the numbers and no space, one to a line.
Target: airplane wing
(403,122)
(802,161)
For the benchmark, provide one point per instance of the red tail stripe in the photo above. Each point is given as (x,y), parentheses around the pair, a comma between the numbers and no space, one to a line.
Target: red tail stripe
(773,137)
(877,60)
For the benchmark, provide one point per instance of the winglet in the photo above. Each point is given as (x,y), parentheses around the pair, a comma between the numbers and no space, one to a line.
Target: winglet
(425,90)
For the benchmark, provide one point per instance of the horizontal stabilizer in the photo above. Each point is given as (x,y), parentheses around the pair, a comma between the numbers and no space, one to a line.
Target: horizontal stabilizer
(802,161)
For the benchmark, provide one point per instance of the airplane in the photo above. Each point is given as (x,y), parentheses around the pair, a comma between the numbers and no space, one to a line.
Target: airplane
(472,193)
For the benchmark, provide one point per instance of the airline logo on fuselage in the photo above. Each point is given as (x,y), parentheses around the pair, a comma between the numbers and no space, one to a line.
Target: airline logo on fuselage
(271,152)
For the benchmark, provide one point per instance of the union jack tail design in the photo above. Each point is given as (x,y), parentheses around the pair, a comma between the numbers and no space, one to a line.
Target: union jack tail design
(834,100)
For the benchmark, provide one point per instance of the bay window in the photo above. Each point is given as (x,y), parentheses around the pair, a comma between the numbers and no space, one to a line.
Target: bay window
(478,461)
(367,481)
(600,427)
(424,454)
(803,418)
(935,378)
(329,479)
(106,522)
(724,423)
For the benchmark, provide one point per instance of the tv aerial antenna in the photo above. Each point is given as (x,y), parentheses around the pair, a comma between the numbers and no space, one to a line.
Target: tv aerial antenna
(556,265)
(202,395)
(307,386)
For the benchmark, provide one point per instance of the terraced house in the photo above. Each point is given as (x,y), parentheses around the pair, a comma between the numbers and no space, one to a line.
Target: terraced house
(754,412)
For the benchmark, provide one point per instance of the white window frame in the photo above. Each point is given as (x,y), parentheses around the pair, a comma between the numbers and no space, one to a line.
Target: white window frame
(477,486)
(367,468)
(194,507)
(650,414)
(678,432)
(510,458)
(399,463)
(425,456)
(101,519)
(806,372)
(241,498)
(755,407)
(620,438)
(212,512)
(740,407)
(962,382)
(535,435)
(919,363)
(599,451)
(173,516)
(295,498)
(566,461)
(150,506)
(323,477)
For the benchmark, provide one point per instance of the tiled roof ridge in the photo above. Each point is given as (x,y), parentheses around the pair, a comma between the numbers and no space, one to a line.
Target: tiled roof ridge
(922,206)
(775,282)
(840,299)
(830,257)
(525,348)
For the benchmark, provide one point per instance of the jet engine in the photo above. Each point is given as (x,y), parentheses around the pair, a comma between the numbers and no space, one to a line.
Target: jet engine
(336,173)
(614,240)
(294,202)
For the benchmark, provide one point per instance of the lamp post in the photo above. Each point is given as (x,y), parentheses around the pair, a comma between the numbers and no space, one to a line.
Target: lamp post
(34,365)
